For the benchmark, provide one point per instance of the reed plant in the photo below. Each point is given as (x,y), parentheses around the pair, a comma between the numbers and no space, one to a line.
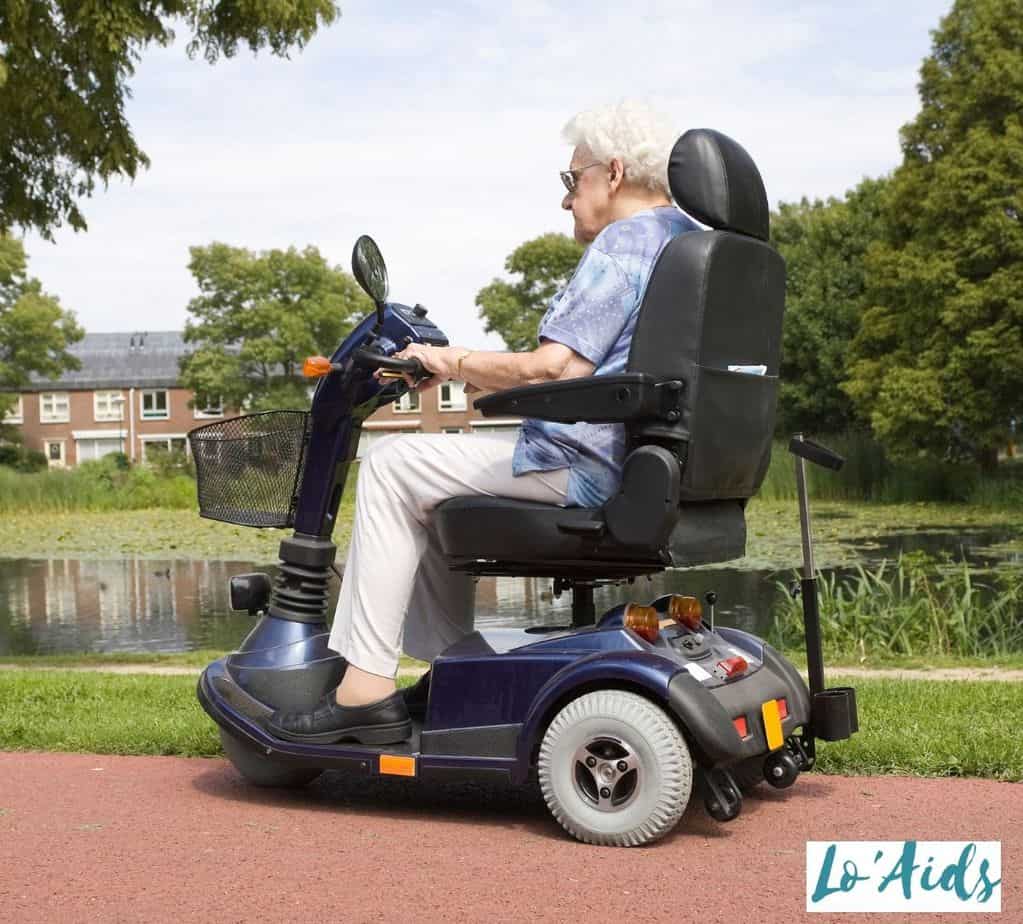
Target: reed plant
(914,606)
(870,475)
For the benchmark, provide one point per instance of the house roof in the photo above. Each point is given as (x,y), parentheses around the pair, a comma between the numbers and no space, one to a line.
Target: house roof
(122,360)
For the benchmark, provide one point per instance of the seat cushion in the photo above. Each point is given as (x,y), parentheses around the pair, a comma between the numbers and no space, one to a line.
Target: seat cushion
(533,538)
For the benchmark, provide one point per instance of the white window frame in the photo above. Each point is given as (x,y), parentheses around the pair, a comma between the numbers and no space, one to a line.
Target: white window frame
(404,405)
(456,394)
(54,416)
(164,415)
(16,414)
(114,410)
(55,463)
(165,439)
(207,413)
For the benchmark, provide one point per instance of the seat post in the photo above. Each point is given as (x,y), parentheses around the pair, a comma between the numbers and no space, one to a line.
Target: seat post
(583,612)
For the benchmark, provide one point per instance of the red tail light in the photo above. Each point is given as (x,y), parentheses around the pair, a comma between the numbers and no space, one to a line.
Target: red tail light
(783,709)
(740,726)
(733,666)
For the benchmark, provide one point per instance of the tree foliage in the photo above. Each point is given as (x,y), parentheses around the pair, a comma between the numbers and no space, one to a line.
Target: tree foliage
(35,332)
(64,72)
(939,356)
(258,317)
(514,309)
(824,245)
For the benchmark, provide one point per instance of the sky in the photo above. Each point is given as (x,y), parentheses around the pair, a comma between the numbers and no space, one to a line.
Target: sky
(438,132)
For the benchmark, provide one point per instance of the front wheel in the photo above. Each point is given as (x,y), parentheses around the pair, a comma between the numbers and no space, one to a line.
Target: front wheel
(614,769)
(261,770)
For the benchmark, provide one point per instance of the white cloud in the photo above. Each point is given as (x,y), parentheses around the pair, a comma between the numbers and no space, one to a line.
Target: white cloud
(439,133)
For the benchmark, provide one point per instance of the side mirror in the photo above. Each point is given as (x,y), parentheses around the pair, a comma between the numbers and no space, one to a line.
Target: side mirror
(370,272)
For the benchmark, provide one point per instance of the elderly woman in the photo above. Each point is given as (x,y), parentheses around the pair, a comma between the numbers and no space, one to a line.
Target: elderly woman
(397,590)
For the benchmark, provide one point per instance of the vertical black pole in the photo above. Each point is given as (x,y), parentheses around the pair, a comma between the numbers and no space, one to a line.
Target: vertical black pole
(811,612)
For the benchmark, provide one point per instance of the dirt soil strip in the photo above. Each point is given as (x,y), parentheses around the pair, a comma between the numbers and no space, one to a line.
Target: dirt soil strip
(99,838)
(1009,675)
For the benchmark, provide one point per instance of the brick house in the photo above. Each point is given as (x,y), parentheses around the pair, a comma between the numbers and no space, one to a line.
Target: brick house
(125,397)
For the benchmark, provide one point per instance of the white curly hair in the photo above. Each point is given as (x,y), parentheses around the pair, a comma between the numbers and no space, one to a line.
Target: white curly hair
(631,131)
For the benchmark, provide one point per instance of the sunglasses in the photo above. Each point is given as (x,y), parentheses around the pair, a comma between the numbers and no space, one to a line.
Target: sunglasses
(571,177)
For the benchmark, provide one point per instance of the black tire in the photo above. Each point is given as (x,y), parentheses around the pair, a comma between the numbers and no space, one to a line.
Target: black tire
(260,770)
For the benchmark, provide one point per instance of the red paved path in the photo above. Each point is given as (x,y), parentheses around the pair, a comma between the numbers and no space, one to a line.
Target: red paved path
(96,838)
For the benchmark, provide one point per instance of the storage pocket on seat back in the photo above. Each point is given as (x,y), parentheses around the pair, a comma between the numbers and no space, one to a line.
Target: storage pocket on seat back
(731,425)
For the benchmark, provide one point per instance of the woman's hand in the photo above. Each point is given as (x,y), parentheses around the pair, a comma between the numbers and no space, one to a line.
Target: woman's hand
(440,362)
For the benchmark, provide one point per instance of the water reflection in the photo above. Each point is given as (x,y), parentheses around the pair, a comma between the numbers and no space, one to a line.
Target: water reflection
(72,605)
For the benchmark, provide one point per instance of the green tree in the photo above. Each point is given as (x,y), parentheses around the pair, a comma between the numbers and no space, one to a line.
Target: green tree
(35,332)
(64,72)
(939,355)
(514,309)
(824,245)
(258,317)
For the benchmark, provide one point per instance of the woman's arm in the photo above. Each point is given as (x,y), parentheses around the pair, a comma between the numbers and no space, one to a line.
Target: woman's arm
(495,371)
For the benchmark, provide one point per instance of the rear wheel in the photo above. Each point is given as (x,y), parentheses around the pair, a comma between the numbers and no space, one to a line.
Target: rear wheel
(261,770)
(614,769)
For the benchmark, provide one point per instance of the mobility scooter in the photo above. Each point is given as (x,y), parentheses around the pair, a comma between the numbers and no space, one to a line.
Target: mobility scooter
(619,717)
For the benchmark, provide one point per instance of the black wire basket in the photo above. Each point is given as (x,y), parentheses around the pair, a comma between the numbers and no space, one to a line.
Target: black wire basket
(248,469)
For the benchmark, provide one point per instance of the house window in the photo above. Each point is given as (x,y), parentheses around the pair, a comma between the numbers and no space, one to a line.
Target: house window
(108,405)
(15,414)
(451,430)
(54,450)
(154,445)
(154,405)
(208,406)
(95,448)
(408,403)
(451,396)
(54,407)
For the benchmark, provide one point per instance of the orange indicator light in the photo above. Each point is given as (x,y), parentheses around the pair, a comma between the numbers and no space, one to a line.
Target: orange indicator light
(395,765)
(643,621)
(315,367)
(686,611)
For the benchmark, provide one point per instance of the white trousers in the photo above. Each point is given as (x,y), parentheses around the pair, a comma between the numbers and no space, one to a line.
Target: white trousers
(397,591)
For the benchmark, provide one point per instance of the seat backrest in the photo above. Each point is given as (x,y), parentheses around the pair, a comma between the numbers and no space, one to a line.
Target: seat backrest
(711,317)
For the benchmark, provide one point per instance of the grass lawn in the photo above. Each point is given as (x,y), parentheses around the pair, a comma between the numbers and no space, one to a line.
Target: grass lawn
(923,727)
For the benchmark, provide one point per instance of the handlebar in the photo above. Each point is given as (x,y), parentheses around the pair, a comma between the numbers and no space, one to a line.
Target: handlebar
(815,453)
(367,358)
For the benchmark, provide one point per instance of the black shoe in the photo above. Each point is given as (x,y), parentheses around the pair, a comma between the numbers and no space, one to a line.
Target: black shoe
(383,722)
(416,696)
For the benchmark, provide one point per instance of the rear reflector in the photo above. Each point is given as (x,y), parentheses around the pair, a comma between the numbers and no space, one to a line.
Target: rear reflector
(740,726)
(397,766)
(783,709)
(733,666)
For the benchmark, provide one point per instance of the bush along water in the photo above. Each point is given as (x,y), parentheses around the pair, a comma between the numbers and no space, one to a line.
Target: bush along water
(110,483)
(916,606)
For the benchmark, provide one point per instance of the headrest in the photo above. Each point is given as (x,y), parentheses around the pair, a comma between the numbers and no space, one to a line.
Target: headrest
(716,181)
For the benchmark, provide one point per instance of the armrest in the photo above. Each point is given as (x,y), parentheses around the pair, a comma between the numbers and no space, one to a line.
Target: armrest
(592,398)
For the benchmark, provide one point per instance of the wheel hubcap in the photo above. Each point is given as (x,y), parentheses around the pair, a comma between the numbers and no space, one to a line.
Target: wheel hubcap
(606,773)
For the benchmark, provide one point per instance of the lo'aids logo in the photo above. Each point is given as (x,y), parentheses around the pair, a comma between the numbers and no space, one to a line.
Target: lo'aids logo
(904,876)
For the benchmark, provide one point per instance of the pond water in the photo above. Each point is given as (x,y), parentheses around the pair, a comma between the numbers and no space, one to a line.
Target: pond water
(69,605)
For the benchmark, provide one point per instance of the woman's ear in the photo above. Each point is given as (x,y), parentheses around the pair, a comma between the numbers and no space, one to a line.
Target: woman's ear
(616,173)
